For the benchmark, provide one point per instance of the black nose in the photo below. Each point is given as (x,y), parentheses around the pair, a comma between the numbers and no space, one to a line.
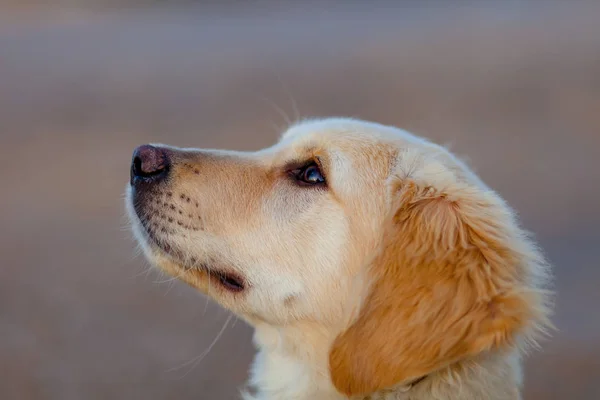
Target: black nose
(149,164)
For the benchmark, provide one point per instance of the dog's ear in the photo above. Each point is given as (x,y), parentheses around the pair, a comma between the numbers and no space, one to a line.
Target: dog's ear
(456,277)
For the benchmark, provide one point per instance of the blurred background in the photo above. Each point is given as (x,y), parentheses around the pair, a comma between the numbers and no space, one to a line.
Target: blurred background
(512,85)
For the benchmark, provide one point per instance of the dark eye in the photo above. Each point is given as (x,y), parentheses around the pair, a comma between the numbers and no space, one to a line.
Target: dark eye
(310,175)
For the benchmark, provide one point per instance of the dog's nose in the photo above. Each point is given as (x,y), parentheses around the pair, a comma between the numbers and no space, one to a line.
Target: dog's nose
(149,164)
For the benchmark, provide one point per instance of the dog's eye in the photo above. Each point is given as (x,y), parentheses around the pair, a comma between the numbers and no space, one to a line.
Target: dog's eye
(309,175)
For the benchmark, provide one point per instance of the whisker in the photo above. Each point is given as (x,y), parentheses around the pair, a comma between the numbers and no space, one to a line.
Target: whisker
(194,362)
(291,98)
(278,109)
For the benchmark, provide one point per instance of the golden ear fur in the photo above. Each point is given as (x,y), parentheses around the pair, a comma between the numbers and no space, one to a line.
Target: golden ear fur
(456,277)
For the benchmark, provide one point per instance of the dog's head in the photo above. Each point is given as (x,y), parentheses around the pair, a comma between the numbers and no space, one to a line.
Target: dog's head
(365,230)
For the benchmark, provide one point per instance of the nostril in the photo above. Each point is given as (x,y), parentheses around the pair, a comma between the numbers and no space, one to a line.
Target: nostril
(137,165)
(149,162)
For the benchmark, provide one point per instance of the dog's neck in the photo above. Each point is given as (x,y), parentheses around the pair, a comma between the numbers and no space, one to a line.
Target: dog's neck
(292,363)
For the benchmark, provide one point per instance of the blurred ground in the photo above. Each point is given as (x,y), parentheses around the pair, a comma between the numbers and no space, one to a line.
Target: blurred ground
(514,86)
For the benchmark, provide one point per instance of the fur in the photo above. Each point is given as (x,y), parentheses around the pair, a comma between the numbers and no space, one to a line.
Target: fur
(404,266)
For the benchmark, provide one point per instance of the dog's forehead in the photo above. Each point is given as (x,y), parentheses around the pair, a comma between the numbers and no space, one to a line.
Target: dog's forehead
(332,130)
(339,139)
(347,134)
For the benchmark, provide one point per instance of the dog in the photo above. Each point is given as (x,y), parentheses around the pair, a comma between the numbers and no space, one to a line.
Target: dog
(372,263)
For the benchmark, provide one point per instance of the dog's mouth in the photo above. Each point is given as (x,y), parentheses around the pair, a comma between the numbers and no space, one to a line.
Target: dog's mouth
(229,280)
(225,278)
(161,222)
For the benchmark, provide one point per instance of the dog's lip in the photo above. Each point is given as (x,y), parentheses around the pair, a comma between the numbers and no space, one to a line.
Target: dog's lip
(155,242)
(230,280)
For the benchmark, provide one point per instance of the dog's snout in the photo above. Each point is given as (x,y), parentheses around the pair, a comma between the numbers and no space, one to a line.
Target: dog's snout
(149,164)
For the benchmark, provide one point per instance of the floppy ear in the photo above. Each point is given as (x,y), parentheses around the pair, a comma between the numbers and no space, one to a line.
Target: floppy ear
(456,277)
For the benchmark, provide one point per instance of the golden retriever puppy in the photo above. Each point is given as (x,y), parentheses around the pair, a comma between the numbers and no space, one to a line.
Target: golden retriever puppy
(372,264)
